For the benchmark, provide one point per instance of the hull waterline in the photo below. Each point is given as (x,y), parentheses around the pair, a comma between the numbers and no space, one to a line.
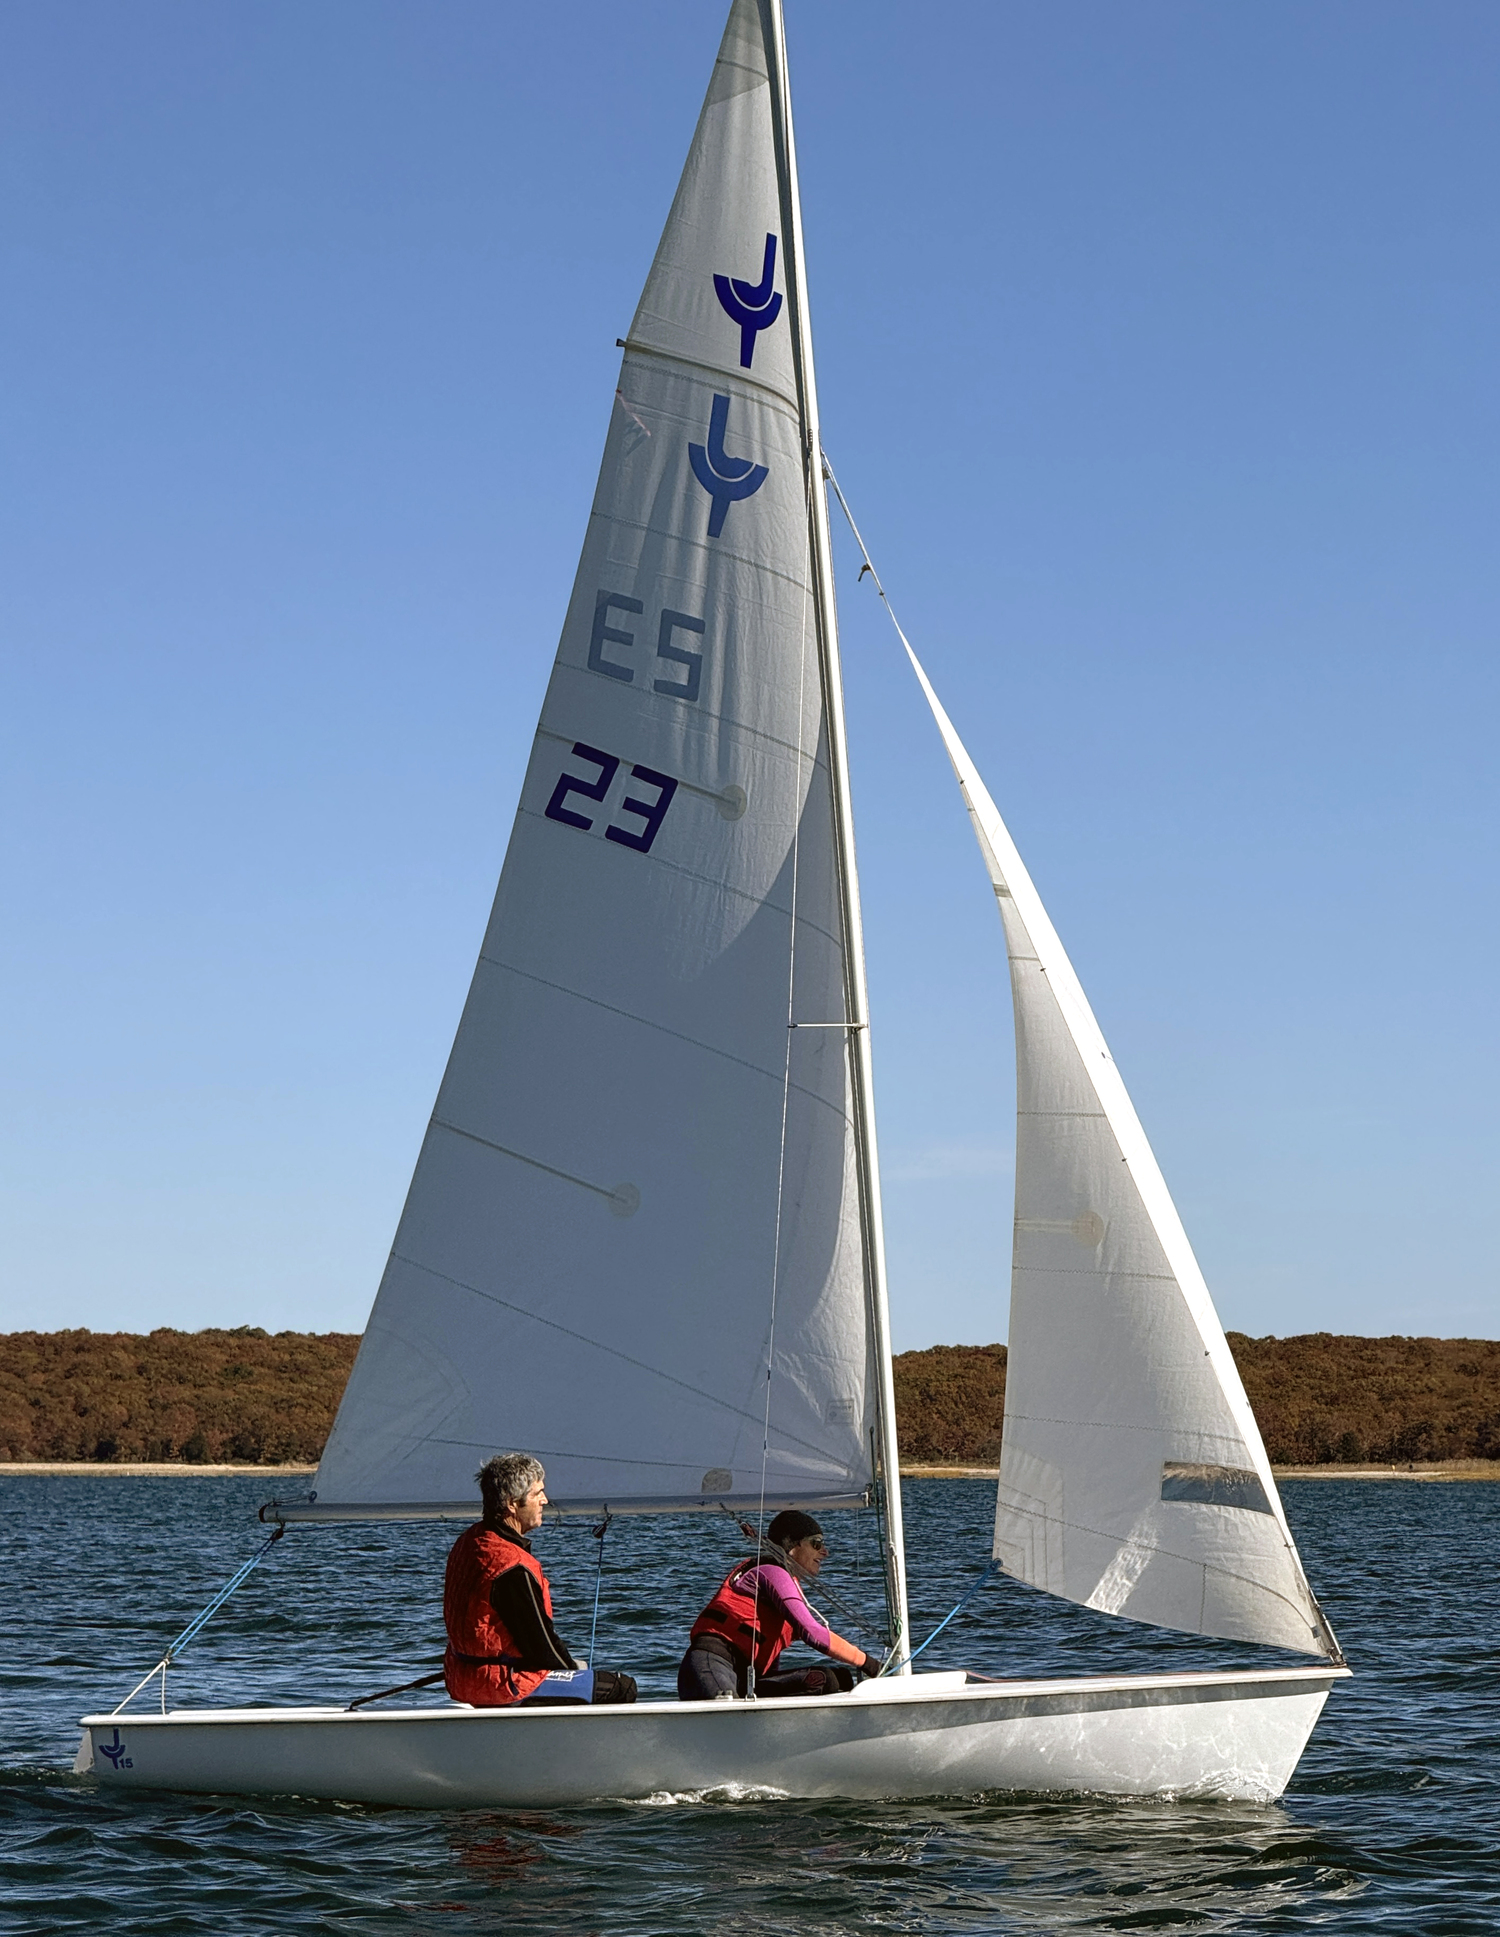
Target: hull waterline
(1236,1736)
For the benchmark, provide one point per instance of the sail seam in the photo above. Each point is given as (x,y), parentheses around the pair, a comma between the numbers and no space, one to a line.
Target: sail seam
(620,522)
(1123,1426)
(1083,1271)
(631,346)
(706,717)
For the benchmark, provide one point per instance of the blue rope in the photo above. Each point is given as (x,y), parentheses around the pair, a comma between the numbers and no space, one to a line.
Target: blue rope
(893,1667)
(599,1532)
(201,1621)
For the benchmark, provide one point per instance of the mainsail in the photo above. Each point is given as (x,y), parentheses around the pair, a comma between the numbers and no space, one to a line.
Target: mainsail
(1133,1478)
(642,1239)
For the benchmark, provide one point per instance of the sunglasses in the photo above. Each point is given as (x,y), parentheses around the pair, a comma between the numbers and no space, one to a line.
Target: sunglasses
(818,1544)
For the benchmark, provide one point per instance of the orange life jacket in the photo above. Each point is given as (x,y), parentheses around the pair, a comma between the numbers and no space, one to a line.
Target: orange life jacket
(754,1627)
(482,1664)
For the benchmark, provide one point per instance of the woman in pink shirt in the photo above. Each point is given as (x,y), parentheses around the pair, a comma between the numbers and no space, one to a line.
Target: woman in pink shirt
(757,1610)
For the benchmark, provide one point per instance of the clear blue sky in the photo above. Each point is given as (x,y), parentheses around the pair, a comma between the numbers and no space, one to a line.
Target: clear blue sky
(1157,346)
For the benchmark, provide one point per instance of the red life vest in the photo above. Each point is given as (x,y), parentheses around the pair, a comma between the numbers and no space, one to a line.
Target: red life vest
(749,1623)
(482,1662)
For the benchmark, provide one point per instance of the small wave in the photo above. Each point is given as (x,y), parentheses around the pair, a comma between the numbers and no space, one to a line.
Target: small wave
(720,1792)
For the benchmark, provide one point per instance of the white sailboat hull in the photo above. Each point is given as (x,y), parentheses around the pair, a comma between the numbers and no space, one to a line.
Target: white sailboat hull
(1236,1736)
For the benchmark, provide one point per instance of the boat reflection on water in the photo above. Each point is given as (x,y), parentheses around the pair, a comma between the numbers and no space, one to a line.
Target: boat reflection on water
(1018,1864)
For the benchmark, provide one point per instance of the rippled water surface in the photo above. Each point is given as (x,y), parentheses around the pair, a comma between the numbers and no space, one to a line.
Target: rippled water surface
(1392,1823)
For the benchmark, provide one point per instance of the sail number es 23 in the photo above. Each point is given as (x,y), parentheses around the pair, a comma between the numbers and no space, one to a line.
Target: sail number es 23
(650,811)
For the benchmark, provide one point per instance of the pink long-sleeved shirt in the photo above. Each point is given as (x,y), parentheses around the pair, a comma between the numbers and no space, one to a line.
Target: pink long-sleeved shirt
(779,1585)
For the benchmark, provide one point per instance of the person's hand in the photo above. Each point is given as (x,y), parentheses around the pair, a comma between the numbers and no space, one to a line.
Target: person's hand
(870,1667)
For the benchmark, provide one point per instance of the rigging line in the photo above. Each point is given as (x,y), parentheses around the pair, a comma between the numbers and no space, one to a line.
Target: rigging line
(869,563)
(753,738)
(201,1620)
(599,1532)
(746,730)
(786,1098)
(894,1667)
(636,348)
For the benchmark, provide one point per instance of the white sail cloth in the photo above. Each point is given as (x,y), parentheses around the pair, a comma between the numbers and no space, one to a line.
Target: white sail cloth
(601,1234)
(1133,1478)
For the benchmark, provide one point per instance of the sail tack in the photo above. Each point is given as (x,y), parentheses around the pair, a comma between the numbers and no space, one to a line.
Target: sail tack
(1133,1478)
(640,1184)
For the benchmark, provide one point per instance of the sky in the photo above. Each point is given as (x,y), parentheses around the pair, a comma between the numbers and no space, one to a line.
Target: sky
(1156,349)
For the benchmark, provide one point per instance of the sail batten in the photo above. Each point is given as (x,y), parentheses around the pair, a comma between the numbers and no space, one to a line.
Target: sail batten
(1133,1478)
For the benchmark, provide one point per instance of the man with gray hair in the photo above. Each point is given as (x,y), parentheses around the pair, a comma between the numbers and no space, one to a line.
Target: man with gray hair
(497,1605)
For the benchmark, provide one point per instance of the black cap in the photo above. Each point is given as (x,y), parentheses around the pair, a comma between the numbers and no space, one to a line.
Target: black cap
(790,1527)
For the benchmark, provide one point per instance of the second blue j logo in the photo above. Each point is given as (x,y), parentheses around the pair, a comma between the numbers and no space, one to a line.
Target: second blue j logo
(725,479)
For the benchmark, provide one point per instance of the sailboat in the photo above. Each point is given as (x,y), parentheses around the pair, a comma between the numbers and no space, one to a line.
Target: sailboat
(643,1236)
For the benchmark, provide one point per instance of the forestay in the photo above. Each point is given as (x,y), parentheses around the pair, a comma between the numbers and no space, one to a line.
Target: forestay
(1132,1474)
(600,1222)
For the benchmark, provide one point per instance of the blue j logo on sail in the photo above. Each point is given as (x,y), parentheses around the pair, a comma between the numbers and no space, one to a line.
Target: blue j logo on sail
(725,479)
(754,306)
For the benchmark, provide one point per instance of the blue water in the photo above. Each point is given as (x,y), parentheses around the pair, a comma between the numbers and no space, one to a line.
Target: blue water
(1392,1823)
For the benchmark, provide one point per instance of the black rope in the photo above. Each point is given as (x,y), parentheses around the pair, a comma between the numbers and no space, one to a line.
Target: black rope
(405,1689)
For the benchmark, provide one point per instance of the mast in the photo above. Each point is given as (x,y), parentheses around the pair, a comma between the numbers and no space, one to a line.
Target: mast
(857,1004)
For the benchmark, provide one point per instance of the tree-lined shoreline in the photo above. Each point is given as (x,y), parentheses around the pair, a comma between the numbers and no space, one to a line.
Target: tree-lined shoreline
(1320,1399)
(246,1397)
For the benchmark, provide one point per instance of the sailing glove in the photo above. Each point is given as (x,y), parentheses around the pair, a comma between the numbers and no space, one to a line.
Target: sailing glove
(869,1667)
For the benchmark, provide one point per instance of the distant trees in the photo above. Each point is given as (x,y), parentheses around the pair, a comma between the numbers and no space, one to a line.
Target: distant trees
(254,1397)
(241,1395)
(950,1400)
(1322,1398)
(1319,1399)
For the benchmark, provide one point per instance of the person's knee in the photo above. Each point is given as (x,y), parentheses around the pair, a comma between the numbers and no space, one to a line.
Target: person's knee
(829,1679)
(705,1675)
(612,1687)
